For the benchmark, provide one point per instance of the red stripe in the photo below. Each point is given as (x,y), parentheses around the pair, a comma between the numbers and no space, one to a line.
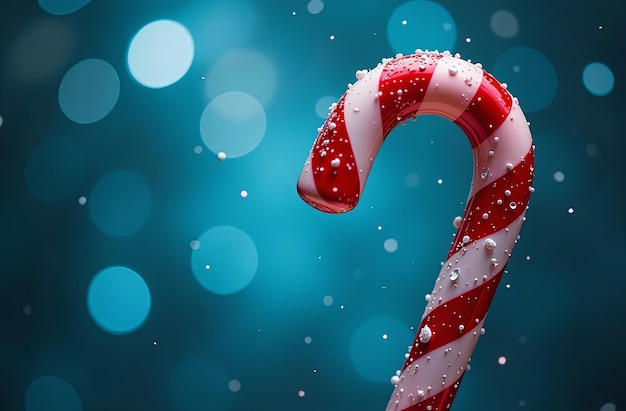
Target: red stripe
(489,108)
(517,181)
(338,184)
(444,320)
(411,75)
(438,402)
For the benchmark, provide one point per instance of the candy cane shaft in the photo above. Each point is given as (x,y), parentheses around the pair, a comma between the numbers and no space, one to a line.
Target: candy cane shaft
(336,170)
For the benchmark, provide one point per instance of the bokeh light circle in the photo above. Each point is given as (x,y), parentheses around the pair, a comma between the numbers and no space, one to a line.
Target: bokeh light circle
(376,348)
(323,105)
(504,24)
(225,261)
(247,71)
(160,53)
(118,300)
(200,384)
(598,78)
(609,406)
(120,203)
(234,385)
(40,51)
(62,7)
(233,123)
(315,6)
(421,24)
(219,27)
(390,245)
(50,393)
(530,76)
(54,169)
(89,91)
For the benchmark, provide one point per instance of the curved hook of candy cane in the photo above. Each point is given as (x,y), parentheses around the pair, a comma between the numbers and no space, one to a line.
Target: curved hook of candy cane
(338,165)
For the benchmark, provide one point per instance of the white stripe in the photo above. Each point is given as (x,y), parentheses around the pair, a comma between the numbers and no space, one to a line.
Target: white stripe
(513,143)
(306,182)
(362,115)
(474,265)
(449,95)
(450,361)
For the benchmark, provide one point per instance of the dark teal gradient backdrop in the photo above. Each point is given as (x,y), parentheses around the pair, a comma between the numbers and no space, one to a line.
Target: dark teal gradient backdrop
(322,321)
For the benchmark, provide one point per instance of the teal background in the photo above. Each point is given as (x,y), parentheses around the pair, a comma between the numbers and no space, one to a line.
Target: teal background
(306,333)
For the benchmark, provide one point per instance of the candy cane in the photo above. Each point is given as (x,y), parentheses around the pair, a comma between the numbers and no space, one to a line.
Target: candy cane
(341,158)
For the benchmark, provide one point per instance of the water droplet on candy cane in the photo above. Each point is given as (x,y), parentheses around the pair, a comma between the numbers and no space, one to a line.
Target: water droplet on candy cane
(457,221)
(490,244)
(425,334)
(454,275)
(484,173)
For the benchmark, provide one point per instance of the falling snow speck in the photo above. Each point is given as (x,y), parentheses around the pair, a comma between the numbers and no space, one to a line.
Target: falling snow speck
(440,181)
(308,340)
(570,210)
(197,149)
(221,156)
(502,360)
(301,393)
(194,244)
(82,200)
(243,194)
(328,300)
